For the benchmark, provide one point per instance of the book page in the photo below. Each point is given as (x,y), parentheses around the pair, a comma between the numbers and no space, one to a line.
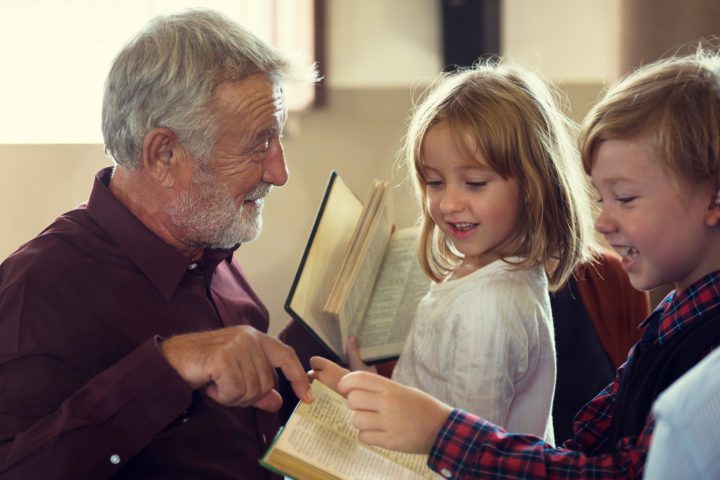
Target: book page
(331,235)
(343,281)
(345,275)
(398,290)
(368,268)
(355,280)
(321,434)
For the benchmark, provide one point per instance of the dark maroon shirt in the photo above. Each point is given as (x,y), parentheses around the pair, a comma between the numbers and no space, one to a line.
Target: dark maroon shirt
(84,391)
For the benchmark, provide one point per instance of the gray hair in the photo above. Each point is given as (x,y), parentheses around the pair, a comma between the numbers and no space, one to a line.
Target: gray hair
(166,76)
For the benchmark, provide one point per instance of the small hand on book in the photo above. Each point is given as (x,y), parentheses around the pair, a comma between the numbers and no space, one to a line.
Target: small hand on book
(386,413)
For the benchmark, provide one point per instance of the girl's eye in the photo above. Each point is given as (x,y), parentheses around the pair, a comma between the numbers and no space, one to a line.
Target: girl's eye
(434,183)
(476,184)
(624,200)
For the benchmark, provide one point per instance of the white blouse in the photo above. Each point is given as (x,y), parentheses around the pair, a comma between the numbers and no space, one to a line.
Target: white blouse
(485,343)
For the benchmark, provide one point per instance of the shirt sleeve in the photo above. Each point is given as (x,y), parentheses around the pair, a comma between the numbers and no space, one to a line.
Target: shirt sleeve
(51,425)
(669,457)
(592,423)
(686,440)
(469,447)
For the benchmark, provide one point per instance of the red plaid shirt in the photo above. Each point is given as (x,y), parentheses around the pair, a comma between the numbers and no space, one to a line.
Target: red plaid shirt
(471,447)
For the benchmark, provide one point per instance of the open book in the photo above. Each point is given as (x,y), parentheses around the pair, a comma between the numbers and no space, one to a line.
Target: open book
(358,275)
(319,442)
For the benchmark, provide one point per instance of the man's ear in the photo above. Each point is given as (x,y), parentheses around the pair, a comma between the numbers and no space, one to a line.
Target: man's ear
(162,155)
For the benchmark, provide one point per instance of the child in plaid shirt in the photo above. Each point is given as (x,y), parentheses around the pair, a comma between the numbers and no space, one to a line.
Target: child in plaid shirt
(652,149)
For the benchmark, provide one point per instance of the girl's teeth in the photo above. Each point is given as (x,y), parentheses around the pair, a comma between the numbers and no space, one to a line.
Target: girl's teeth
(463,226)
(627,251)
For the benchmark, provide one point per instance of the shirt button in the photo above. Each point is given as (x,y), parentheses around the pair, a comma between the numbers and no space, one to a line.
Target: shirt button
(192,266)
(446,473)
(115,459)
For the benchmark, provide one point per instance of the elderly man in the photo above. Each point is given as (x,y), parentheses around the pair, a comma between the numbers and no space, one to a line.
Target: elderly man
(131,343)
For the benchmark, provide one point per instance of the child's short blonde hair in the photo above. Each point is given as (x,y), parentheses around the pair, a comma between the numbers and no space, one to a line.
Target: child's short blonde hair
(519,128)
(676,103)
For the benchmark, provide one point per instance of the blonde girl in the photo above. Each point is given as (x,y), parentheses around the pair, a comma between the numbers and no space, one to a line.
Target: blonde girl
(505,217)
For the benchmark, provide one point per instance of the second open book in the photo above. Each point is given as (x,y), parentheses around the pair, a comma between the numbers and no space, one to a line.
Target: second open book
(358,276)
(320,443)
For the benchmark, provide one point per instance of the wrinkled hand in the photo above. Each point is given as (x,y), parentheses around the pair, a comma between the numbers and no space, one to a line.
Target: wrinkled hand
(236,365)
(391,415)
(355,361)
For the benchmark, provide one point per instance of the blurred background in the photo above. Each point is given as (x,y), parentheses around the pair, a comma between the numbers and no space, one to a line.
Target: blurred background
(376,56)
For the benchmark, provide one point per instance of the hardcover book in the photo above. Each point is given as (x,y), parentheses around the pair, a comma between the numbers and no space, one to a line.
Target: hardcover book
(358,275)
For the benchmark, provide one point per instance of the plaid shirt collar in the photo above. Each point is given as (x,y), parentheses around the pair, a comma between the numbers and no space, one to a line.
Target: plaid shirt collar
(678,310)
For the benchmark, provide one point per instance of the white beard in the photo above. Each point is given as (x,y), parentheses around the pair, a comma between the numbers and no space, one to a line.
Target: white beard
(208,217)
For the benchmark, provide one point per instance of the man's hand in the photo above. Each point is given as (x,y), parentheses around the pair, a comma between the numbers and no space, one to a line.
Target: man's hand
(236,366)
(391,415)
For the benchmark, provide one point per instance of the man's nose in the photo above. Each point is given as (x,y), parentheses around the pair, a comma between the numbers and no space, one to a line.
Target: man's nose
(275,168)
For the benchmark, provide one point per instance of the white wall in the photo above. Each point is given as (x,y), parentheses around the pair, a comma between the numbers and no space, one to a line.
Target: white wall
(570,41)
(382,43)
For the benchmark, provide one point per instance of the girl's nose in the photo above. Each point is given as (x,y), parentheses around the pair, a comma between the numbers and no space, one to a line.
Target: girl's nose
(451,201)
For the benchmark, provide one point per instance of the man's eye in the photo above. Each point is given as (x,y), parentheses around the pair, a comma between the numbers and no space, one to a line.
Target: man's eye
(263,147)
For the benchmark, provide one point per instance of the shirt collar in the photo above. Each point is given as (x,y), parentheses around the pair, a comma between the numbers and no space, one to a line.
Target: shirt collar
(677,310)
(162,264)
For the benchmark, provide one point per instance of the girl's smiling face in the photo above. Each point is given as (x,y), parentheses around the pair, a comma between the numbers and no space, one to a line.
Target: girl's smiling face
(665,230)
(476,208)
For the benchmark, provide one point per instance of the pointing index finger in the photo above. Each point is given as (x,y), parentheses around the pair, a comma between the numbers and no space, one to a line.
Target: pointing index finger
(284,357)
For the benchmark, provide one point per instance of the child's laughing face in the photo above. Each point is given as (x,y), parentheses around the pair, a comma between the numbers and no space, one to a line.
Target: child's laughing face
(666,233)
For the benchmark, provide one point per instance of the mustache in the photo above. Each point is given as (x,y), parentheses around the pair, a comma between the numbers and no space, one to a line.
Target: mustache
(262,190)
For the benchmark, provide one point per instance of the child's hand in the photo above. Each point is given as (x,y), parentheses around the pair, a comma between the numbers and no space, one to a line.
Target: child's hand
(391,415)
(326,371)
(355,362)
